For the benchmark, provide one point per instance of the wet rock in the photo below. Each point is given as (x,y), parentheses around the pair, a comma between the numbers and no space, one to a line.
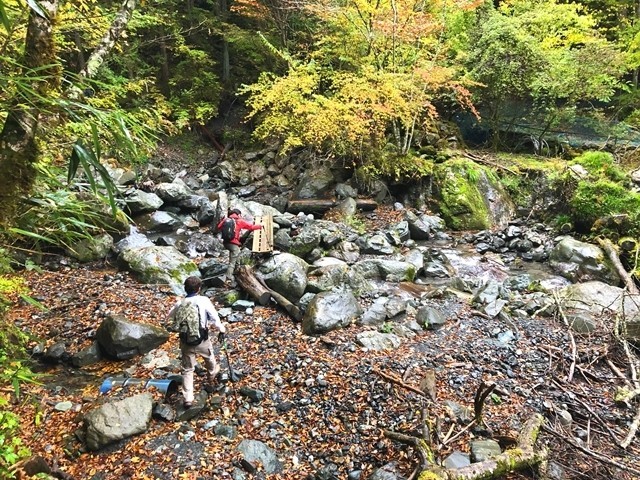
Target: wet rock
(582,262)
(390,471)
(286,274)
(252,394)
(329,311)
(55,353)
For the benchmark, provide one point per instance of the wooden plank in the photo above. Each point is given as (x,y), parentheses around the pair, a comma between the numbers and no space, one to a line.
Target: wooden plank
(263,239)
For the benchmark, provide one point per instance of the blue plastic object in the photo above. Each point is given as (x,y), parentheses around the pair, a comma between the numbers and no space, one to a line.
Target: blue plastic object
(165,385)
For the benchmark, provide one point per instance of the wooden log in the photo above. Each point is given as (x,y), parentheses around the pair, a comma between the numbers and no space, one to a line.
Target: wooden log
(250,284)
(611,252)
(291,309)
(321,205)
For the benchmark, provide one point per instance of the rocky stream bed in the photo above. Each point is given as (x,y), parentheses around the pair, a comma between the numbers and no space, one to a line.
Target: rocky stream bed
(409,334)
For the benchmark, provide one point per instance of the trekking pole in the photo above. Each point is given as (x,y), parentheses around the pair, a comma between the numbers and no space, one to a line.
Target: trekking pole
(232,376)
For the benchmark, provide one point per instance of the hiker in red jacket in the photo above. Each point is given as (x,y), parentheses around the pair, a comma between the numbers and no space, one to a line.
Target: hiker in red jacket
(232,242)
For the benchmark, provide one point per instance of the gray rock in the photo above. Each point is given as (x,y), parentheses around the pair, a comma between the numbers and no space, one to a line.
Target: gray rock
(142,202)
(344,190)
(457,460)
(391,270)
(429,317)
(173,192)
(135,239)
(55,352)
(121,339)
(164,265)
(581,322)
(328,277)
(597,298)
(346,251)
(376,314)
(482,450)
(376,244)
(87,356)
(390,471)
(378,340)
(582,262)
(418,229)
(117,420)
(329,311)
(254,451)
(92,249)
(315,183)
(286,274)
(159,221)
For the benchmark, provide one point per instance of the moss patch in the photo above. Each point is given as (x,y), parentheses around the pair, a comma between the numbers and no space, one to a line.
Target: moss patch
(461,202)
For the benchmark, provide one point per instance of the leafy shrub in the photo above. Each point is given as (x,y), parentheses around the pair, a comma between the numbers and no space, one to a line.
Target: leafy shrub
(14,372)
(594,200)
(601,164)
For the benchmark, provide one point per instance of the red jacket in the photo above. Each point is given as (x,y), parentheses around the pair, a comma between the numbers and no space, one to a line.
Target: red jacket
(241,224)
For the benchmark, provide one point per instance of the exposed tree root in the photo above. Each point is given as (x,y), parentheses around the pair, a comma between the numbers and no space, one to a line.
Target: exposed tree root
(519,458)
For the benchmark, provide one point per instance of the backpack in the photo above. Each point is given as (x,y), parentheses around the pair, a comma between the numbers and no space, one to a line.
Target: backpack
(190,328)
(228,230)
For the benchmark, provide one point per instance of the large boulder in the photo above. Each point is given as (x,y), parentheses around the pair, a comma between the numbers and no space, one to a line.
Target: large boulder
(286,274)
(329,311)
(121,338)
(159,221)
(582,262)
(325,278)
(315,183)
(598,298)
(117,420)
(91,249)
(164,265)
(173,192)
(470,197)
(389,270)
(141,202)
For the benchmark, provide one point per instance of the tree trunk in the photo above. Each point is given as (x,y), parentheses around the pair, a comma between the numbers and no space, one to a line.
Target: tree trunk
(97,57)
(18,150)
(321,205)
(250,284)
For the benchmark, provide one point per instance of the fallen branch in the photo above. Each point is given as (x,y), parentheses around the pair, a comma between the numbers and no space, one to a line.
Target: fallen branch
(520,458)
(611,252)
(477,159)
(398,381)
(484,390)
(591,453)
(574,348)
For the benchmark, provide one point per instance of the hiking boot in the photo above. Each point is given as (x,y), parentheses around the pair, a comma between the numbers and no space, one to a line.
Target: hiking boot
(187,405)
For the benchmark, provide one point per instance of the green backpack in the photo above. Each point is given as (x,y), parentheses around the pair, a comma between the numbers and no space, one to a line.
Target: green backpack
(190,328)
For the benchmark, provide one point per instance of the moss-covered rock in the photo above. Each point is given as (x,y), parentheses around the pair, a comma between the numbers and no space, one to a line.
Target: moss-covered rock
(470,197)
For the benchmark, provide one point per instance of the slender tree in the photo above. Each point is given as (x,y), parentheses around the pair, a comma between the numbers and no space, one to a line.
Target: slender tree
(18,149)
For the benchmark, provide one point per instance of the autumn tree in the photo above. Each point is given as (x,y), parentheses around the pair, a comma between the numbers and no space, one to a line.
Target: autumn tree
(539,59)
(369,86)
